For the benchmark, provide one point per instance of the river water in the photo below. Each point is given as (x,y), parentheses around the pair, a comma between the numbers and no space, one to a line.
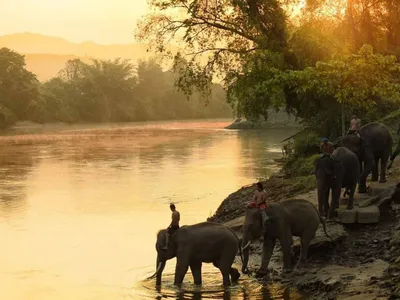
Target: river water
(80,206)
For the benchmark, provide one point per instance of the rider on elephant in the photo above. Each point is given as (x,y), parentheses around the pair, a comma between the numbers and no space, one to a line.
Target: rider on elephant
(174,224)
(326,147)
(355,124)
(259,198)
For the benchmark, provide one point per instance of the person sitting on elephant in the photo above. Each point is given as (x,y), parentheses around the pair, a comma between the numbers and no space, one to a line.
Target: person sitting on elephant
(326,147)
(174,224)
(355,125)
(259,198)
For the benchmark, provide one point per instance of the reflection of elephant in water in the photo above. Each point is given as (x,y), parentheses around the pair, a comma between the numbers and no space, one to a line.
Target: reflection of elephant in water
(289,218)
(192,245)
(374,144)
(340,170)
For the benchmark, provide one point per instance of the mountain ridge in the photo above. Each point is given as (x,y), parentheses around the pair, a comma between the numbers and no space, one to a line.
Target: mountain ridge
(46,55)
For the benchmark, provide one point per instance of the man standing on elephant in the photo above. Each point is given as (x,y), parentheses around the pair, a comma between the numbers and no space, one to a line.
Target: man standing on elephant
(174,224)
(259,198)
(355,125)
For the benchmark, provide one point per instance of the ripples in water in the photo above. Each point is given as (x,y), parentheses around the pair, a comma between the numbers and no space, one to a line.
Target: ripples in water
(246,288)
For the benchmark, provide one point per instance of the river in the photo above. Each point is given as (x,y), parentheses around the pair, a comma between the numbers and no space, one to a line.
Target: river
(80,206)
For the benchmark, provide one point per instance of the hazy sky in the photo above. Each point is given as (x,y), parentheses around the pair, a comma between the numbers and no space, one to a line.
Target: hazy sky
(102,21)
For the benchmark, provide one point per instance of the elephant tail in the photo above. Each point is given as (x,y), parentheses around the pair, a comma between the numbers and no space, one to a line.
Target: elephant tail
(323,223)
(324,226)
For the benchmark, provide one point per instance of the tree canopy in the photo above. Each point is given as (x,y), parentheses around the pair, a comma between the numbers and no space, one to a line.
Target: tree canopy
(101,91)
(302,55)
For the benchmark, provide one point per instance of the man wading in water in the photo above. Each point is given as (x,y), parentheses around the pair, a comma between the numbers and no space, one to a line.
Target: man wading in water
(174,224)
(259,198)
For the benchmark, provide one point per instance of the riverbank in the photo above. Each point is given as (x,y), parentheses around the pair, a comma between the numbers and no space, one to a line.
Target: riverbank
(362,261)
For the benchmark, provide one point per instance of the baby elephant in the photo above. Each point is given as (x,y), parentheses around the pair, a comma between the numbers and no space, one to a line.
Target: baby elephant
(295,217)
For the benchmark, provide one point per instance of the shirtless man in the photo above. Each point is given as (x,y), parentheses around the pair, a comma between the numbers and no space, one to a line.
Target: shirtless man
(355,125)
(259,198)
(174,224)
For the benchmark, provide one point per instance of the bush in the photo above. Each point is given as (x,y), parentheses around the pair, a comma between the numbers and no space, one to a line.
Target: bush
(306,144)
(300,166)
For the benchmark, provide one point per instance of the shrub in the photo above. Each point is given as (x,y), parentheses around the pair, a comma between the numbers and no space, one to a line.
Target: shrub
(300,166)
(306,144)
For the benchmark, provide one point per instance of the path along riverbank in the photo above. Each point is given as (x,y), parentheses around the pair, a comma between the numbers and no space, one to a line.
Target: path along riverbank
(362,261)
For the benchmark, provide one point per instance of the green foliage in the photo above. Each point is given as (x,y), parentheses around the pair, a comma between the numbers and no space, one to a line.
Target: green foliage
(306,143)
(363,82)
(102,91)
(303,184)
(18,88)
(299,165)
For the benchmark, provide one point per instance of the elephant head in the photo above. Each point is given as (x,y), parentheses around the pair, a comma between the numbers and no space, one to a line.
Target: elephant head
(162,254)
(354,143)
(252,230)
(327,168)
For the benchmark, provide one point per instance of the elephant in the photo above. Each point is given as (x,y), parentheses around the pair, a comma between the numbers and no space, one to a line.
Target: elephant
(397,151)
(294,217)
(334,172)
(192,245)
(372,144)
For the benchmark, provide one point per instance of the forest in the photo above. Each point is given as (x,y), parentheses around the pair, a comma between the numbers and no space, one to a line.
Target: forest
(321,60)
(100,91)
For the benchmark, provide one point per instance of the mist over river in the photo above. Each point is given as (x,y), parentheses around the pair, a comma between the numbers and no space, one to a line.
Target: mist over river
(80,206)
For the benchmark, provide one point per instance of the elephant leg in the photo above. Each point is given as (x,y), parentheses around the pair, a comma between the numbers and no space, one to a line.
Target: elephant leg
(335,200)
(182,265)
(234,274)
(268,249)
(326,202)
(350,202)
(305,243)
(384,161)
(287,242)
(195,267)
(225,269)
(375,174)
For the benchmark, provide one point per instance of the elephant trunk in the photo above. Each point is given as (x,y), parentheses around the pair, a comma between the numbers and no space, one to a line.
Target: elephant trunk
(160,268)
(245,250)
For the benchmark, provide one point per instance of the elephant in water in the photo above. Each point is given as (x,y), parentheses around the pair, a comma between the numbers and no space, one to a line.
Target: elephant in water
(295,217)
(373,144)
(195,244)
(334,172)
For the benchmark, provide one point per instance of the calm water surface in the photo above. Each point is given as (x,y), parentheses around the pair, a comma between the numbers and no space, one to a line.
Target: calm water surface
(80,208)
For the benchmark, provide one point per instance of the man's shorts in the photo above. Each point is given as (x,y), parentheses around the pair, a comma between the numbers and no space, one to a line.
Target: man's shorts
(172,228)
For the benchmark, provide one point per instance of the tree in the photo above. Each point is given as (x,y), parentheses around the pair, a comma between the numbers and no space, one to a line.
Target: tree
(218,36)
(18,88)
(360,81)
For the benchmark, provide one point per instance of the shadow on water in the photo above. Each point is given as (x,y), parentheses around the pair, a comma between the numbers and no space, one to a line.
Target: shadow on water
(246,288)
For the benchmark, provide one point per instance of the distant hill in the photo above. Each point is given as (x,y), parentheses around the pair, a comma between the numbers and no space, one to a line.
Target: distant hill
(46,55)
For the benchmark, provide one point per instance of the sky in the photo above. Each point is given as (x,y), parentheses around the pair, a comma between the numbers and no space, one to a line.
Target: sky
(101,21)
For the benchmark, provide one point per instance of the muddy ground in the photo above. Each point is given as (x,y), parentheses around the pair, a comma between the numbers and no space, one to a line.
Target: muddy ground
(363,261)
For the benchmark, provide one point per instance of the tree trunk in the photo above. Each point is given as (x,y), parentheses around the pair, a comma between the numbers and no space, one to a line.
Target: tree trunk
(343,120)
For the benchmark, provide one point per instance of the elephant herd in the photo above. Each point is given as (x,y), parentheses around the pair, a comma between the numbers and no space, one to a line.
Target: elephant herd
(354,158)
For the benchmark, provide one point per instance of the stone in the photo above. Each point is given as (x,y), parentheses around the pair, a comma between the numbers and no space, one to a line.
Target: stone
(368,215)
(346,216)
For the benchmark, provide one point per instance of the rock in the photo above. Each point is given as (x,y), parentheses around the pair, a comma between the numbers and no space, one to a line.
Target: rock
(236,224)
(321,241)
(368,215)
(346,216)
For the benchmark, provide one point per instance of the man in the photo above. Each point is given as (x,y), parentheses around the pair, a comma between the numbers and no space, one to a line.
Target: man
(259,198)
(326,147)
(174,224)
(355,125)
